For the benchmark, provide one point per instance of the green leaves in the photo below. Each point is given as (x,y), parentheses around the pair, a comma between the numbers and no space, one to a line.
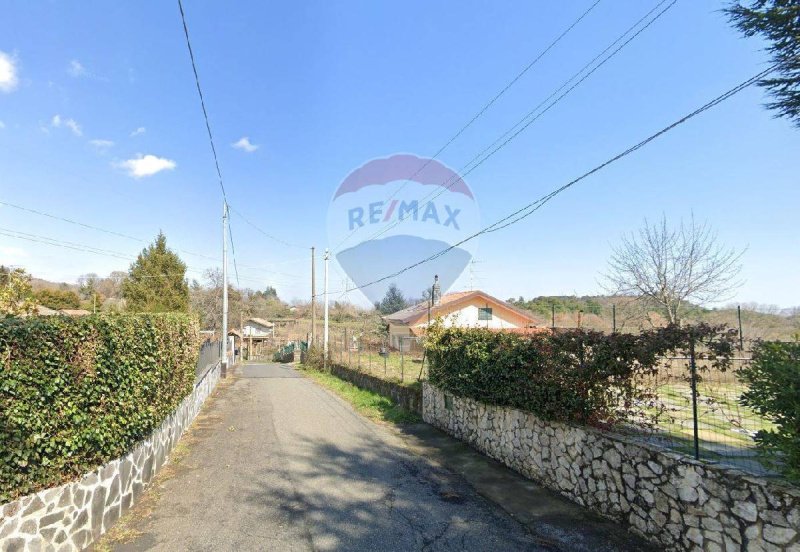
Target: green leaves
(78,392)
(773,377)
(577,376)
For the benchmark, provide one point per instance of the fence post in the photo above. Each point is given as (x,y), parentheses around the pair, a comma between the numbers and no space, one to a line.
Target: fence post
(614,318)
(741,336)
(359,353)
(693,368)
(385,356)
(401,361)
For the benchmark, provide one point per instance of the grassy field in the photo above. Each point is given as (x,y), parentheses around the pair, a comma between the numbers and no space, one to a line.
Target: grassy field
(370,404)
(725,427)
(404,369)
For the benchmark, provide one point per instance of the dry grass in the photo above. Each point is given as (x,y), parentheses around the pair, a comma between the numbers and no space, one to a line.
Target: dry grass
(128,527)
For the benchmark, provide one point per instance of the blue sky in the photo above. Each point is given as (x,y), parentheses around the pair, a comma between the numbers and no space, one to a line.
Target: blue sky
(320,88)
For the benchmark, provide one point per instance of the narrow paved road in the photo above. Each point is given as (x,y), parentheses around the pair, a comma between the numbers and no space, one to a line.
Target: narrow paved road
(277,463)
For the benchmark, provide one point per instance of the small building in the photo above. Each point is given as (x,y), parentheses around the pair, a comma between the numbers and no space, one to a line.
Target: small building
(464,309)
(256,337)
(257,327)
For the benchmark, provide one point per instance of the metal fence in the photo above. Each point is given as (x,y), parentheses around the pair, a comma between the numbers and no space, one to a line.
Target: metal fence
(370,353)
(698,411)
(210,353)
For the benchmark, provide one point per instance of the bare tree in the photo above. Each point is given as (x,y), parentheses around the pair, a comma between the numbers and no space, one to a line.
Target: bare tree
(670,267)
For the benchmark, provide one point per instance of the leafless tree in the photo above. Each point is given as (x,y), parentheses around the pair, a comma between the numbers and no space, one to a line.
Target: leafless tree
(671,267)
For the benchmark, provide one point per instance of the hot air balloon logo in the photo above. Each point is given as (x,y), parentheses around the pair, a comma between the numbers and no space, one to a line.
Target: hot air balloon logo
(393,212)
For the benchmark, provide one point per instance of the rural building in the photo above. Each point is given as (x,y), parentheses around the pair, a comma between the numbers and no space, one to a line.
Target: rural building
(465,309)
(256,336)
(257,327)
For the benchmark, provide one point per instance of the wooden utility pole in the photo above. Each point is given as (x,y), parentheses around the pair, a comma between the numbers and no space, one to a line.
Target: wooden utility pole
(313,299)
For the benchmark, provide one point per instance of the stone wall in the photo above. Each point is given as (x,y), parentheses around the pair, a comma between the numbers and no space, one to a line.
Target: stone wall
(409,398)
(74,515)
(667,498)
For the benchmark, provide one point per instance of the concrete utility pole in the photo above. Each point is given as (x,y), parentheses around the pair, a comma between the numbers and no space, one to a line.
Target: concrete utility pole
(313,300)
(325,331)
(224,289)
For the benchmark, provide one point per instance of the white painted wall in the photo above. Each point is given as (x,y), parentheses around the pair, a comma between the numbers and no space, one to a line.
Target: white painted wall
(256,331)
(465,317)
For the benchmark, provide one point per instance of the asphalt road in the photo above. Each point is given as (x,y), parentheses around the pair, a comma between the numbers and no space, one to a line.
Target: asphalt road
(277,463)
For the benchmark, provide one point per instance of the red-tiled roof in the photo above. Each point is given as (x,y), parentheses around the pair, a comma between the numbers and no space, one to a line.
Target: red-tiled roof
(415,313)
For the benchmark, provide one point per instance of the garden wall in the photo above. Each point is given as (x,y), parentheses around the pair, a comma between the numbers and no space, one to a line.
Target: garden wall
(72,516)
(409,398)
(666,497)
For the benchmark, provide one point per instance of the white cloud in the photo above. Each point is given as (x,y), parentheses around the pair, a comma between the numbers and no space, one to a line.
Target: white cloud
(245,145)
(101,145)
(57,122)
(146,165)
(2,125)
(8,73)
(76,69)
(138,131)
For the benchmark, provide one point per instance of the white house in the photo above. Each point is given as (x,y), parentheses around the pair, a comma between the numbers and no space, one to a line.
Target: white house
(465,309)
(257,327)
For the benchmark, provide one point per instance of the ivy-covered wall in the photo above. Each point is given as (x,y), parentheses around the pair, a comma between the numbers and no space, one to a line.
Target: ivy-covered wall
(78,392)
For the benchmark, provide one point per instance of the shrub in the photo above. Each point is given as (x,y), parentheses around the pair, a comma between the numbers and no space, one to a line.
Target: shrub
(773,377)
(78,392)
(573,376)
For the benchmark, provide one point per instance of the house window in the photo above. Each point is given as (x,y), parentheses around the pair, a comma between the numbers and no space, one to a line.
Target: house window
(484,313)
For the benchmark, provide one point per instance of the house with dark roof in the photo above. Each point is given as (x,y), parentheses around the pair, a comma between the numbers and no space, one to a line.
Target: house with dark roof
(466,309)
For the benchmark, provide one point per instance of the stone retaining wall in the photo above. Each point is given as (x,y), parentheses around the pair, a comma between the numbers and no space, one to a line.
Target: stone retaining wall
(667,498)
(74,515)
(409,398)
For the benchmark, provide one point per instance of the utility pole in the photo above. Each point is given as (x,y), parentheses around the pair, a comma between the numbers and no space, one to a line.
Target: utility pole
(224,289)
(325,331)
(313,300)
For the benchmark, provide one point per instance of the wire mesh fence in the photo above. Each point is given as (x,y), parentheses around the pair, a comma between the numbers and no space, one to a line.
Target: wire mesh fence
(699,412)
(370,353)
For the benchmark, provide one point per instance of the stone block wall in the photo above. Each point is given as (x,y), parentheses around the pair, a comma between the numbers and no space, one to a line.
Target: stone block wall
(74,515)
(668,498)
(409,398)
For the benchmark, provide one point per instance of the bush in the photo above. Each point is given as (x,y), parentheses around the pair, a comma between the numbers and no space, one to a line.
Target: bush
(773,377)
(573,376)
(78,392)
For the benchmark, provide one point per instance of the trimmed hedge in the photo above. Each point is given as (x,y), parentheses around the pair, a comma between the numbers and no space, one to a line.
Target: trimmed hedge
(578,376)
(773,377)
(76,393)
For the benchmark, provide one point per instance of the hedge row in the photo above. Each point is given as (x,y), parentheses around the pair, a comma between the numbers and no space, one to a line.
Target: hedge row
(78,392)
(574,375)
(773,380)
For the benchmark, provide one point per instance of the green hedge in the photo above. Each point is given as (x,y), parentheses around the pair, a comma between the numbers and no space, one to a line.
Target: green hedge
(773,377)
(576,376)
(78,392)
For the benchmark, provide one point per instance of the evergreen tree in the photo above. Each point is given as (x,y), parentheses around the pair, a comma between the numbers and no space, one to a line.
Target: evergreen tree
(778,21)
(156,282)
(393,301)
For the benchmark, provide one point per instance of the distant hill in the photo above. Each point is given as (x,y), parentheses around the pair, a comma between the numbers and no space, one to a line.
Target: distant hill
(596,312)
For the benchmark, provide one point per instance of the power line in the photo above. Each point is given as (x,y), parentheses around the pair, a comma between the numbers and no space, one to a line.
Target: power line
(64,219)
(486,107)
(233,253)
(202,100)
(75,246)
(270,236)
(141,240)
(477,161)
(534,206)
